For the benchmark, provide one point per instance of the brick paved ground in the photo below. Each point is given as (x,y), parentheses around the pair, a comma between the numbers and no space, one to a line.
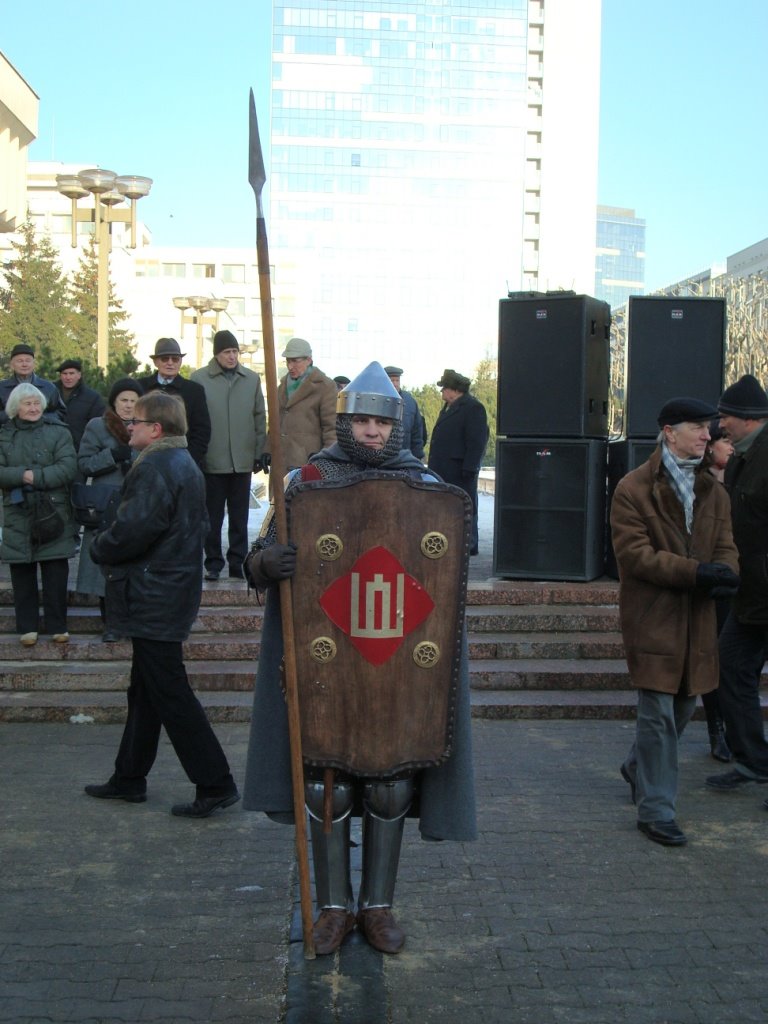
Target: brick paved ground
(562,912)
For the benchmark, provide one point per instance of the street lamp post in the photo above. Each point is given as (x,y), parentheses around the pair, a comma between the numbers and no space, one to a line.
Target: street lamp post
(108,190)
(202,305)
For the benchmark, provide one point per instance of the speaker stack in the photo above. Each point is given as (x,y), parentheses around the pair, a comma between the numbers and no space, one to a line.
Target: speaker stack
(552,426)
(675,348)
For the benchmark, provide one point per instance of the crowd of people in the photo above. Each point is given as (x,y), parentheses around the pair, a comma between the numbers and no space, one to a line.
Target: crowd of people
(164,458)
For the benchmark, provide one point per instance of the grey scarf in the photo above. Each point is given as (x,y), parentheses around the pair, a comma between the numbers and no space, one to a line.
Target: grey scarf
(681,478)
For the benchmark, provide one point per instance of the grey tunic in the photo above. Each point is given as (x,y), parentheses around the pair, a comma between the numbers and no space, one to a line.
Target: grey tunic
(445,795)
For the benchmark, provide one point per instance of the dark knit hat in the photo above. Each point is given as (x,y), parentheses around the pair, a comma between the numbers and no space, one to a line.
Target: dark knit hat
(455,381)
(70,364)
(223,340)
(21,350)
(746,399)
(167,347)
(341,381)
(685,410)
(124,384)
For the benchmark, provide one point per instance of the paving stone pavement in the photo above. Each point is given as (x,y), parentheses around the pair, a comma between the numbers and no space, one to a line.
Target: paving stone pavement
(561,912)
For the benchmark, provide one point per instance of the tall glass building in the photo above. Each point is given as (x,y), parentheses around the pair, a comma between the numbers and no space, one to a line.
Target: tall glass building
(412,178)
(620,259)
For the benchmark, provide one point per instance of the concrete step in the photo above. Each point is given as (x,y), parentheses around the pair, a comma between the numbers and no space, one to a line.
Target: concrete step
(484,646)
(542,619)
(214,619)
(85,707)
(64,677)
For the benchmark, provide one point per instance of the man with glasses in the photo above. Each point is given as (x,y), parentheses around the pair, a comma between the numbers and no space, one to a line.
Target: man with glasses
(168,379)
(307,402)
(151,555)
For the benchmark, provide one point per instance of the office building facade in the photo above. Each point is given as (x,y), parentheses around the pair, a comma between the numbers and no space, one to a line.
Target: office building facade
(426,158)
(620,256)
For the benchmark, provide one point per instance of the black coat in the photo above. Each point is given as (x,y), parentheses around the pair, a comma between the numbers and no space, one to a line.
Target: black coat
(459,439)
(152,553)
(746,479)
(83,405)
(198,418)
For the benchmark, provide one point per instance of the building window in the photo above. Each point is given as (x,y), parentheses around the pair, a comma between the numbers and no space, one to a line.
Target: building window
(174,269)
(203,270)
(233,273)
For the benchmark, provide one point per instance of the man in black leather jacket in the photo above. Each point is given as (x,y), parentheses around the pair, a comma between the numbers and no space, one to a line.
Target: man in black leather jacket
(152,557)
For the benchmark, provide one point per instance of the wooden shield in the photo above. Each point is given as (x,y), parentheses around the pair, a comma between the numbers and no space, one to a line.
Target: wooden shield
(378,600)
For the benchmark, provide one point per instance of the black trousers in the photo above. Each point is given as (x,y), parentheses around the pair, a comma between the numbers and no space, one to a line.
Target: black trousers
(743,650)
(26,596)
(233,492)
(160,695)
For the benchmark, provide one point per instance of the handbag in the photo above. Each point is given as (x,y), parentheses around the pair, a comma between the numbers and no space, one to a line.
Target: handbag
(90,502)
(47,522)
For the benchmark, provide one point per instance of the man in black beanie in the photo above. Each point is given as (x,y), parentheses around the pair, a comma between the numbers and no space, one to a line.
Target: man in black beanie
(83,403)
(743,412)
(235,451)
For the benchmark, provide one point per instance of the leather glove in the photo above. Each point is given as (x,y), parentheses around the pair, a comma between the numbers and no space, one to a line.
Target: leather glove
(265,566)
(711,575)
(262,464)
(122,453)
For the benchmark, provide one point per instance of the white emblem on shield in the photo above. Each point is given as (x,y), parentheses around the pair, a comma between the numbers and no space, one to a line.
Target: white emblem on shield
(377,606)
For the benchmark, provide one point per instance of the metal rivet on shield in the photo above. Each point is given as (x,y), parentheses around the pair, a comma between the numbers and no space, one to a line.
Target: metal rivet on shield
(329,547)
(434,544)
(323,649)
(426,654)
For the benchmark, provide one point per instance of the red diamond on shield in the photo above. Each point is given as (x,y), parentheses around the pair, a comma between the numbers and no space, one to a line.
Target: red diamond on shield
(377,604)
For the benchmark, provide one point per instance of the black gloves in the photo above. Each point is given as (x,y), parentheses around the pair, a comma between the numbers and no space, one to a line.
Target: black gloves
(122,453)
(268,565)
(262,464)
(717,579)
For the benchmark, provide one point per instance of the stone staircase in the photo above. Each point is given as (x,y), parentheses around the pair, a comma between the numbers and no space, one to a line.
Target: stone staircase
(537,650)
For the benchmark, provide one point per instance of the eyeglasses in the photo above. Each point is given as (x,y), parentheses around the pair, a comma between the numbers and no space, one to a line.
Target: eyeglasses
(133,422)
(168,359)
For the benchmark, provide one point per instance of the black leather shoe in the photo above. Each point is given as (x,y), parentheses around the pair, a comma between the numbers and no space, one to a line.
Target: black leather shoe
(631,783)
(108,791)
(718,746)
(668,833)
(212,574)
(109,636)
(731,780)
(203,806)
(235,573)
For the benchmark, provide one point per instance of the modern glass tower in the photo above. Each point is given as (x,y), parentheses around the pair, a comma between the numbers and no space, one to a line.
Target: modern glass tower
(620,259)
(409,176)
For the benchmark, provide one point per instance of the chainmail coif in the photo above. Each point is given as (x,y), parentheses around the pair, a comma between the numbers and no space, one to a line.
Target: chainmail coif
(361,456)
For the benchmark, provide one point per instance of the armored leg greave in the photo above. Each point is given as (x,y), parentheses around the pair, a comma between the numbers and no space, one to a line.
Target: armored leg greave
(385,806)
(330,853)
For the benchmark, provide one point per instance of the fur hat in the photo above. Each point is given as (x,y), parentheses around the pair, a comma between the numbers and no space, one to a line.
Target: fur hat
(746,399)
(455,381)
(124,384)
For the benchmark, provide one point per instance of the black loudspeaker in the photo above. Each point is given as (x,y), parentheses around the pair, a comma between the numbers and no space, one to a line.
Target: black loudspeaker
(553,375)
(675,347)
(623,457)
(549,518)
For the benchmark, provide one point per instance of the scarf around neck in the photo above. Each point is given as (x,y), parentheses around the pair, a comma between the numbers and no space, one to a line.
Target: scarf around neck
(681,478)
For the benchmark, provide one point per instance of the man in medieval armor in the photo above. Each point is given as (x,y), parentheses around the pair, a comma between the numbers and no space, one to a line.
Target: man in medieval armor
(441,795)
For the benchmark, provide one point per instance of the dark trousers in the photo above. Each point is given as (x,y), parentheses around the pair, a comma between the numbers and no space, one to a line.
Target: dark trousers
(160,695)
(26,596)
(743,651)
(233,491)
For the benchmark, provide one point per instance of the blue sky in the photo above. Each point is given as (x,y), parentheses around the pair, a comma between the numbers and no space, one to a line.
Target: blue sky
(164,92)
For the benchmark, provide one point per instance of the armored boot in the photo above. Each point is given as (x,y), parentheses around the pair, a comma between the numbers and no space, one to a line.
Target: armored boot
(385,806)
(330,857)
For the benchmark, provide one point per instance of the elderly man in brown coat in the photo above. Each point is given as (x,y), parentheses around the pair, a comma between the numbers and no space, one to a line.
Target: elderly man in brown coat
(671,530)
(307,402)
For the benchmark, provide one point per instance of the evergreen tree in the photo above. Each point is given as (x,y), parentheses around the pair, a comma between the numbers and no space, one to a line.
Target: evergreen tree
(84,301)
(35,309)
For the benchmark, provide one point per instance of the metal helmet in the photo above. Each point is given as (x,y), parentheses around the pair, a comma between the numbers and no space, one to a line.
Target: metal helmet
(371,393)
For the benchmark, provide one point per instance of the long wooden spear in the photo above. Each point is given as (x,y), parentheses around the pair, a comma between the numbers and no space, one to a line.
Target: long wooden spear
(257,177)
